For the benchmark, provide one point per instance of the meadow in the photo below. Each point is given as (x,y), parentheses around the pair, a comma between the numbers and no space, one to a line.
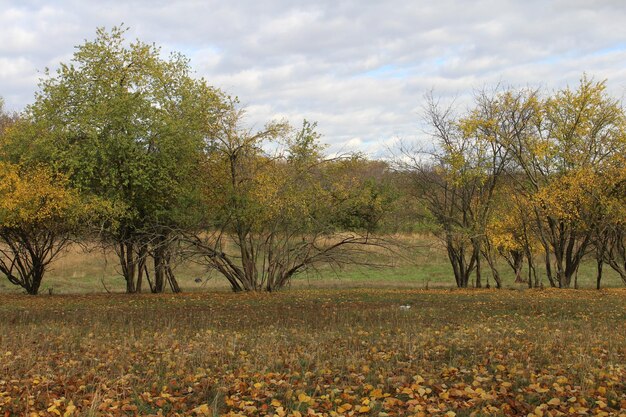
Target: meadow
(358,342)
(88,270)
(326,352)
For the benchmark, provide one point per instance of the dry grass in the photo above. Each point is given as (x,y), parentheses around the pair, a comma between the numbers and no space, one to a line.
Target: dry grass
(424,266)
(315,352)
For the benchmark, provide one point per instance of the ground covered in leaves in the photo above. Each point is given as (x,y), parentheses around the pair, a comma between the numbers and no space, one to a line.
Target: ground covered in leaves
(315,352)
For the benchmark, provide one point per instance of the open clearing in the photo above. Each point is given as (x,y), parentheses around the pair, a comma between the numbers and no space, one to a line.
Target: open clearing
(315,352)
(427,266)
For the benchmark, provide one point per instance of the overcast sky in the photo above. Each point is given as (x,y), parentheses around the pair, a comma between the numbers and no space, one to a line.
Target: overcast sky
(360,68)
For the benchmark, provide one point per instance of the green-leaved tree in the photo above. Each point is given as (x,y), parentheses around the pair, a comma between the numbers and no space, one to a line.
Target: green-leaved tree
(129,126)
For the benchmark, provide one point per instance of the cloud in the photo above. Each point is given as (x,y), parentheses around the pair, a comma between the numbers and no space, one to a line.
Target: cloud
(358,67)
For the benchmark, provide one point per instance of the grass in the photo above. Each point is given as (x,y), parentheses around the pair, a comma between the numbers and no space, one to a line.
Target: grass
(318,351)
(83,272)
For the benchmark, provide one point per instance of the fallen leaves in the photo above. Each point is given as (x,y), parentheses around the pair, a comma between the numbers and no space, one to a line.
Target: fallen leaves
(315,353)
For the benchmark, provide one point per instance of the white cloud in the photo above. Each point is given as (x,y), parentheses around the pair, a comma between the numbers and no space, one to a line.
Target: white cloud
(358,67)
(12,69)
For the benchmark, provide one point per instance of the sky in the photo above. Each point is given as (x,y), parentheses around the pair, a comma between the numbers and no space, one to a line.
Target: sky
(359,68)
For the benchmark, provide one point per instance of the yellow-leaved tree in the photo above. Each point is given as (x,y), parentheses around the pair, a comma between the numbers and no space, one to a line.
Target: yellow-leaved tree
(39,215)
(561,152)
(510,233)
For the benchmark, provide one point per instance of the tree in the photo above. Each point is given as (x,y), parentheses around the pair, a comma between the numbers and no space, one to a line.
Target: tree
(458,180)
(575,135)
(273,214)
(39,214)
(129,126)
(557,153)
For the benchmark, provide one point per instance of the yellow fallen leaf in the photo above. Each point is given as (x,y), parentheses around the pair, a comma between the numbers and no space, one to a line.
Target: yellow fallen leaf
(53,409)
(344,407)
(69,410)
(554,401)
(377,393)
(203,410)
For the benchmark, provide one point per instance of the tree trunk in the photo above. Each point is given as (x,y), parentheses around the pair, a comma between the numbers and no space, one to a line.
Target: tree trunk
(478,270)
(600,262)
(159,273)
(171,278)
(530,276)
(36,278)
(518,263)
(549,268)
(127,261)
(493,267)
(615,254)
(141,267)
(496,278)
(461,268)
(532,269)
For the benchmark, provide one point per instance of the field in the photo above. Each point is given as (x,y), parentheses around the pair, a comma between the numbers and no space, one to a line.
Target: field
(87,272)
(353,352)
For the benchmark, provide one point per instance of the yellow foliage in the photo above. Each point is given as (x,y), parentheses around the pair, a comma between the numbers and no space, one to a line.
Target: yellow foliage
(35,198)
(569,197)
